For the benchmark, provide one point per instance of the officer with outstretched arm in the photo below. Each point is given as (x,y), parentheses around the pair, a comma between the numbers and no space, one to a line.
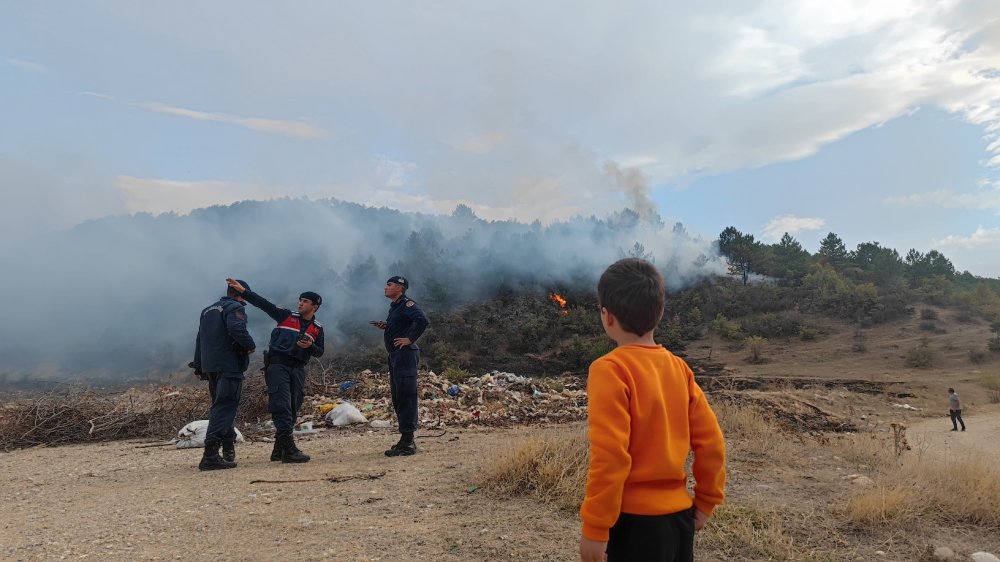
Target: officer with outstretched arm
(297,338)
(221,354)
(404,324)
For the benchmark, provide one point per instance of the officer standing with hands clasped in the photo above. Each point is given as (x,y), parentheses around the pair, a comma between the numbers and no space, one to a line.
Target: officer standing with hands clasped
(404,324)
(297,338)
(221,355)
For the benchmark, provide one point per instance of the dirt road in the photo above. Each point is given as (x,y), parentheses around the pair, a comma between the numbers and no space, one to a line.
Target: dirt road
(116,502)
(936,437)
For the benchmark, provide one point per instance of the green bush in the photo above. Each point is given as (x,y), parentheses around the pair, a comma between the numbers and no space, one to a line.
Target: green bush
(928,326)
(808,334)
(456,375)
(928,314)
(726,328)
(860,344)
(771,325)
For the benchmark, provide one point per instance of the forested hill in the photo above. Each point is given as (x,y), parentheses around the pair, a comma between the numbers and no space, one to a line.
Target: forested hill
(120,296)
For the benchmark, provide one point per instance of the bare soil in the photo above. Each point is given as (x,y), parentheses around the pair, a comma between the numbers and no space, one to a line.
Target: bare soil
(114,501)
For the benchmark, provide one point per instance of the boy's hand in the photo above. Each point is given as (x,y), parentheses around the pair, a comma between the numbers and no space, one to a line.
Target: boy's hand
(593,551)
(700,519)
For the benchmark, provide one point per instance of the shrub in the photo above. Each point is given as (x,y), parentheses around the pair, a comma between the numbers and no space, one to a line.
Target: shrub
(725,328)
(755,344)
(860,344)
(992,384)
(928,314)
(771,325)
(808,334)
(920,357)
(978,356)
(456,375)
(928,326)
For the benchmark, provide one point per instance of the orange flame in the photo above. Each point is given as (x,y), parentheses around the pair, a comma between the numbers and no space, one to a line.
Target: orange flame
(558,299)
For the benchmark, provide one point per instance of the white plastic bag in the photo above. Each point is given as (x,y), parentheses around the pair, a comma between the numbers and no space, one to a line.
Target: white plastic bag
(193,435)
(345,414)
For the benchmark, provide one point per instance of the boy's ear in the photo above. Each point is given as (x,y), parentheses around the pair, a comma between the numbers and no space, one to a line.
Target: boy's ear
(610,319)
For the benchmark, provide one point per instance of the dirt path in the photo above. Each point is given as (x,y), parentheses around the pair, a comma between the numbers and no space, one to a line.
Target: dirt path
(115,502)
(981,438)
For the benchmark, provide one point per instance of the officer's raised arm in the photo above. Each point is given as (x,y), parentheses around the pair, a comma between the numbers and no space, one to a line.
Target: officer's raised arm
(275,312)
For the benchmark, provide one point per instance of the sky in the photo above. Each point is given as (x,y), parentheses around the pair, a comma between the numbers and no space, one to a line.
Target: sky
(876,121)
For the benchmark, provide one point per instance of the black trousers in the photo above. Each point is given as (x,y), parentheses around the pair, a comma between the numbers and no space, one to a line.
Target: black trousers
(403,387)
(286,389)
(652,538)
(225,389)
(956,416)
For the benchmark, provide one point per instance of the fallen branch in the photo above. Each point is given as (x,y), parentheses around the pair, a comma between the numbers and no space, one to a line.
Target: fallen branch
(370,476)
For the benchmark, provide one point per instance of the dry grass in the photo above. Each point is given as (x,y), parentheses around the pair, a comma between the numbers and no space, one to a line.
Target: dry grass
(739,532)
(926,488)
(552,468)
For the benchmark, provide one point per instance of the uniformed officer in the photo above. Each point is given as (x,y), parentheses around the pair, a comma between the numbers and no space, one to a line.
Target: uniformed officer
(297,338)
(404,324)
(221,354)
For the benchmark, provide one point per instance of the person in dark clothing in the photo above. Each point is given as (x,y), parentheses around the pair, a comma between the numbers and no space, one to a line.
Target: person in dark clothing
(297,338)
(404,324)
(221,355)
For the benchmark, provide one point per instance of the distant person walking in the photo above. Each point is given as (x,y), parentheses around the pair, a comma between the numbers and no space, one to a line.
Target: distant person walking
(403,325)
(955,410)
(297,338)
(221,354)
(645,413)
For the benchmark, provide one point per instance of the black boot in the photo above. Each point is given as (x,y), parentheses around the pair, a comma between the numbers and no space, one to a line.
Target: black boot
(211,459)
(404,448)
(229,449)
(291,453)
(276,451)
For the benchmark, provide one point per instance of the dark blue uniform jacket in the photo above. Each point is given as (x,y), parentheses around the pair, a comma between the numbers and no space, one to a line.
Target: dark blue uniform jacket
(290,328)
(405,320)
(223,340)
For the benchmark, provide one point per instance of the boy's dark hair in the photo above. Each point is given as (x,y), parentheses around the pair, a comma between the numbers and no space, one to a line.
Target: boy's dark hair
(231,292)
(632,289)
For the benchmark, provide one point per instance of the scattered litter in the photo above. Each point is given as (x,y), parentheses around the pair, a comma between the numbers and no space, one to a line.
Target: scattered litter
(380,424)
(193,435)
(906,407)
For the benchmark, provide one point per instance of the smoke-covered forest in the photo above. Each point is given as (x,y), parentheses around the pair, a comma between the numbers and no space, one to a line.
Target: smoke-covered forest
(118,298)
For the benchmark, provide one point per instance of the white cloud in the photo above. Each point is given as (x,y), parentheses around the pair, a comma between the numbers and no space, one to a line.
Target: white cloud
(393,173)
(26,65)
(283,127)
(778,226)
(987,198)
(981,239)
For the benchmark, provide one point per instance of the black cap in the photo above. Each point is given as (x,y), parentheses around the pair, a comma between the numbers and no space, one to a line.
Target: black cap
(399,280)
(317,300)
(246,286)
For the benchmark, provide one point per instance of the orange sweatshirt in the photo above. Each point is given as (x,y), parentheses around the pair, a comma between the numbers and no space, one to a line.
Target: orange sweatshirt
(645,412)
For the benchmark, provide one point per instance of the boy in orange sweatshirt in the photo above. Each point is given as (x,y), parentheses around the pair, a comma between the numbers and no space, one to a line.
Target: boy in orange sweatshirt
(645,413)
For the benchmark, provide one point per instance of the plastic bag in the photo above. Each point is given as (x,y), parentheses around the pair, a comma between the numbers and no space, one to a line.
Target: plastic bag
(345,414)
(193,435)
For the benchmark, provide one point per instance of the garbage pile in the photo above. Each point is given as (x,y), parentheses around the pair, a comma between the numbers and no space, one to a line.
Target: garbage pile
(497,399)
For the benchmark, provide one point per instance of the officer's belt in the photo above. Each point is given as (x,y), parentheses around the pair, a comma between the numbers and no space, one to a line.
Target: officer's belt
(286,360)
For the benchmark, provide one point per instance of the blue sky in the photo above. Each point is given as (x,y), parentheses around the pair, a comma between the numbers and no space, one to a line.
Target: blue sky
(877,122)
